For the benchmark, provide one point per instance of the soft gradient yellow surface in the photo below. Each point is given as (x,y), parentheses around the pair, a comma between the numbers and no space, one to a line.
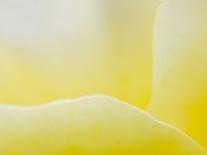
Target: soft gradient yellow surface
(180,66)
(62,49)
(96,125)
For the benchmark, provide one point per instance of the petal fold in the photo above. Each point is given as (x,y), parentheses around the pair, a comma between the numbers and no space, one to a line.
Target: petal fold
(89,125)
(180,66)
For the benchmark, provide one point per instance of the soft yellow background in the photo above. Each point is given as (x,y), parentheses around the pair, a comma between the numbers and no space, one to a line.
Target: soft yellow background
(62,49)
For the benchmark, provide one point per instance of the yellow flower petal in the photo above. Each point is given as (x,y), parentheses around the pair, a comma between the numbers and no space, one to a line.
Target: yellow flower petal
(65,48)
(90,125)
(180,81)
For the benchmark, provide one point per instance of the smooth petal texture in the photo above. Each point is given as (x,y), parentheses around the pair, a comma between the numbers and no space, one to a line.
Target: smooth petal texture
(131,25)
(180,67)
(65,48)
(90,125)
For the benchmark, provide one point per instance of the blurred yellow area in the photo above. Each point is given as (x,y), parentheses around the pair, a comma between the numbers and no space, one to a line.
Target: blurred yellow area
(64,49)
(51,50)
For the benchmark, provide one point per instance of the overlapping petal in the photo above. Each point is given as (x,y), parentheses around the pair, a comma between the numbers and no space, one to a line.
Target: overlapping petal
(180,68)
(90,125)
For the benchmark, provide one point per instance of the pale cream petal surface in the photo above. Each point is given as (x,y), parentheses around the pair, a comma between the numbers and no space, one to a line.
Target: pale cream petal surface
(180,66)
(65,48)
(96,125)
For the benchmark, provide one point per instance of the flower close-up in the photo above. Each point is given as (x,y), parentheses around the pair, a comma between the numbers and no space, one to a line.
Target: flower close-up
(103,77)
